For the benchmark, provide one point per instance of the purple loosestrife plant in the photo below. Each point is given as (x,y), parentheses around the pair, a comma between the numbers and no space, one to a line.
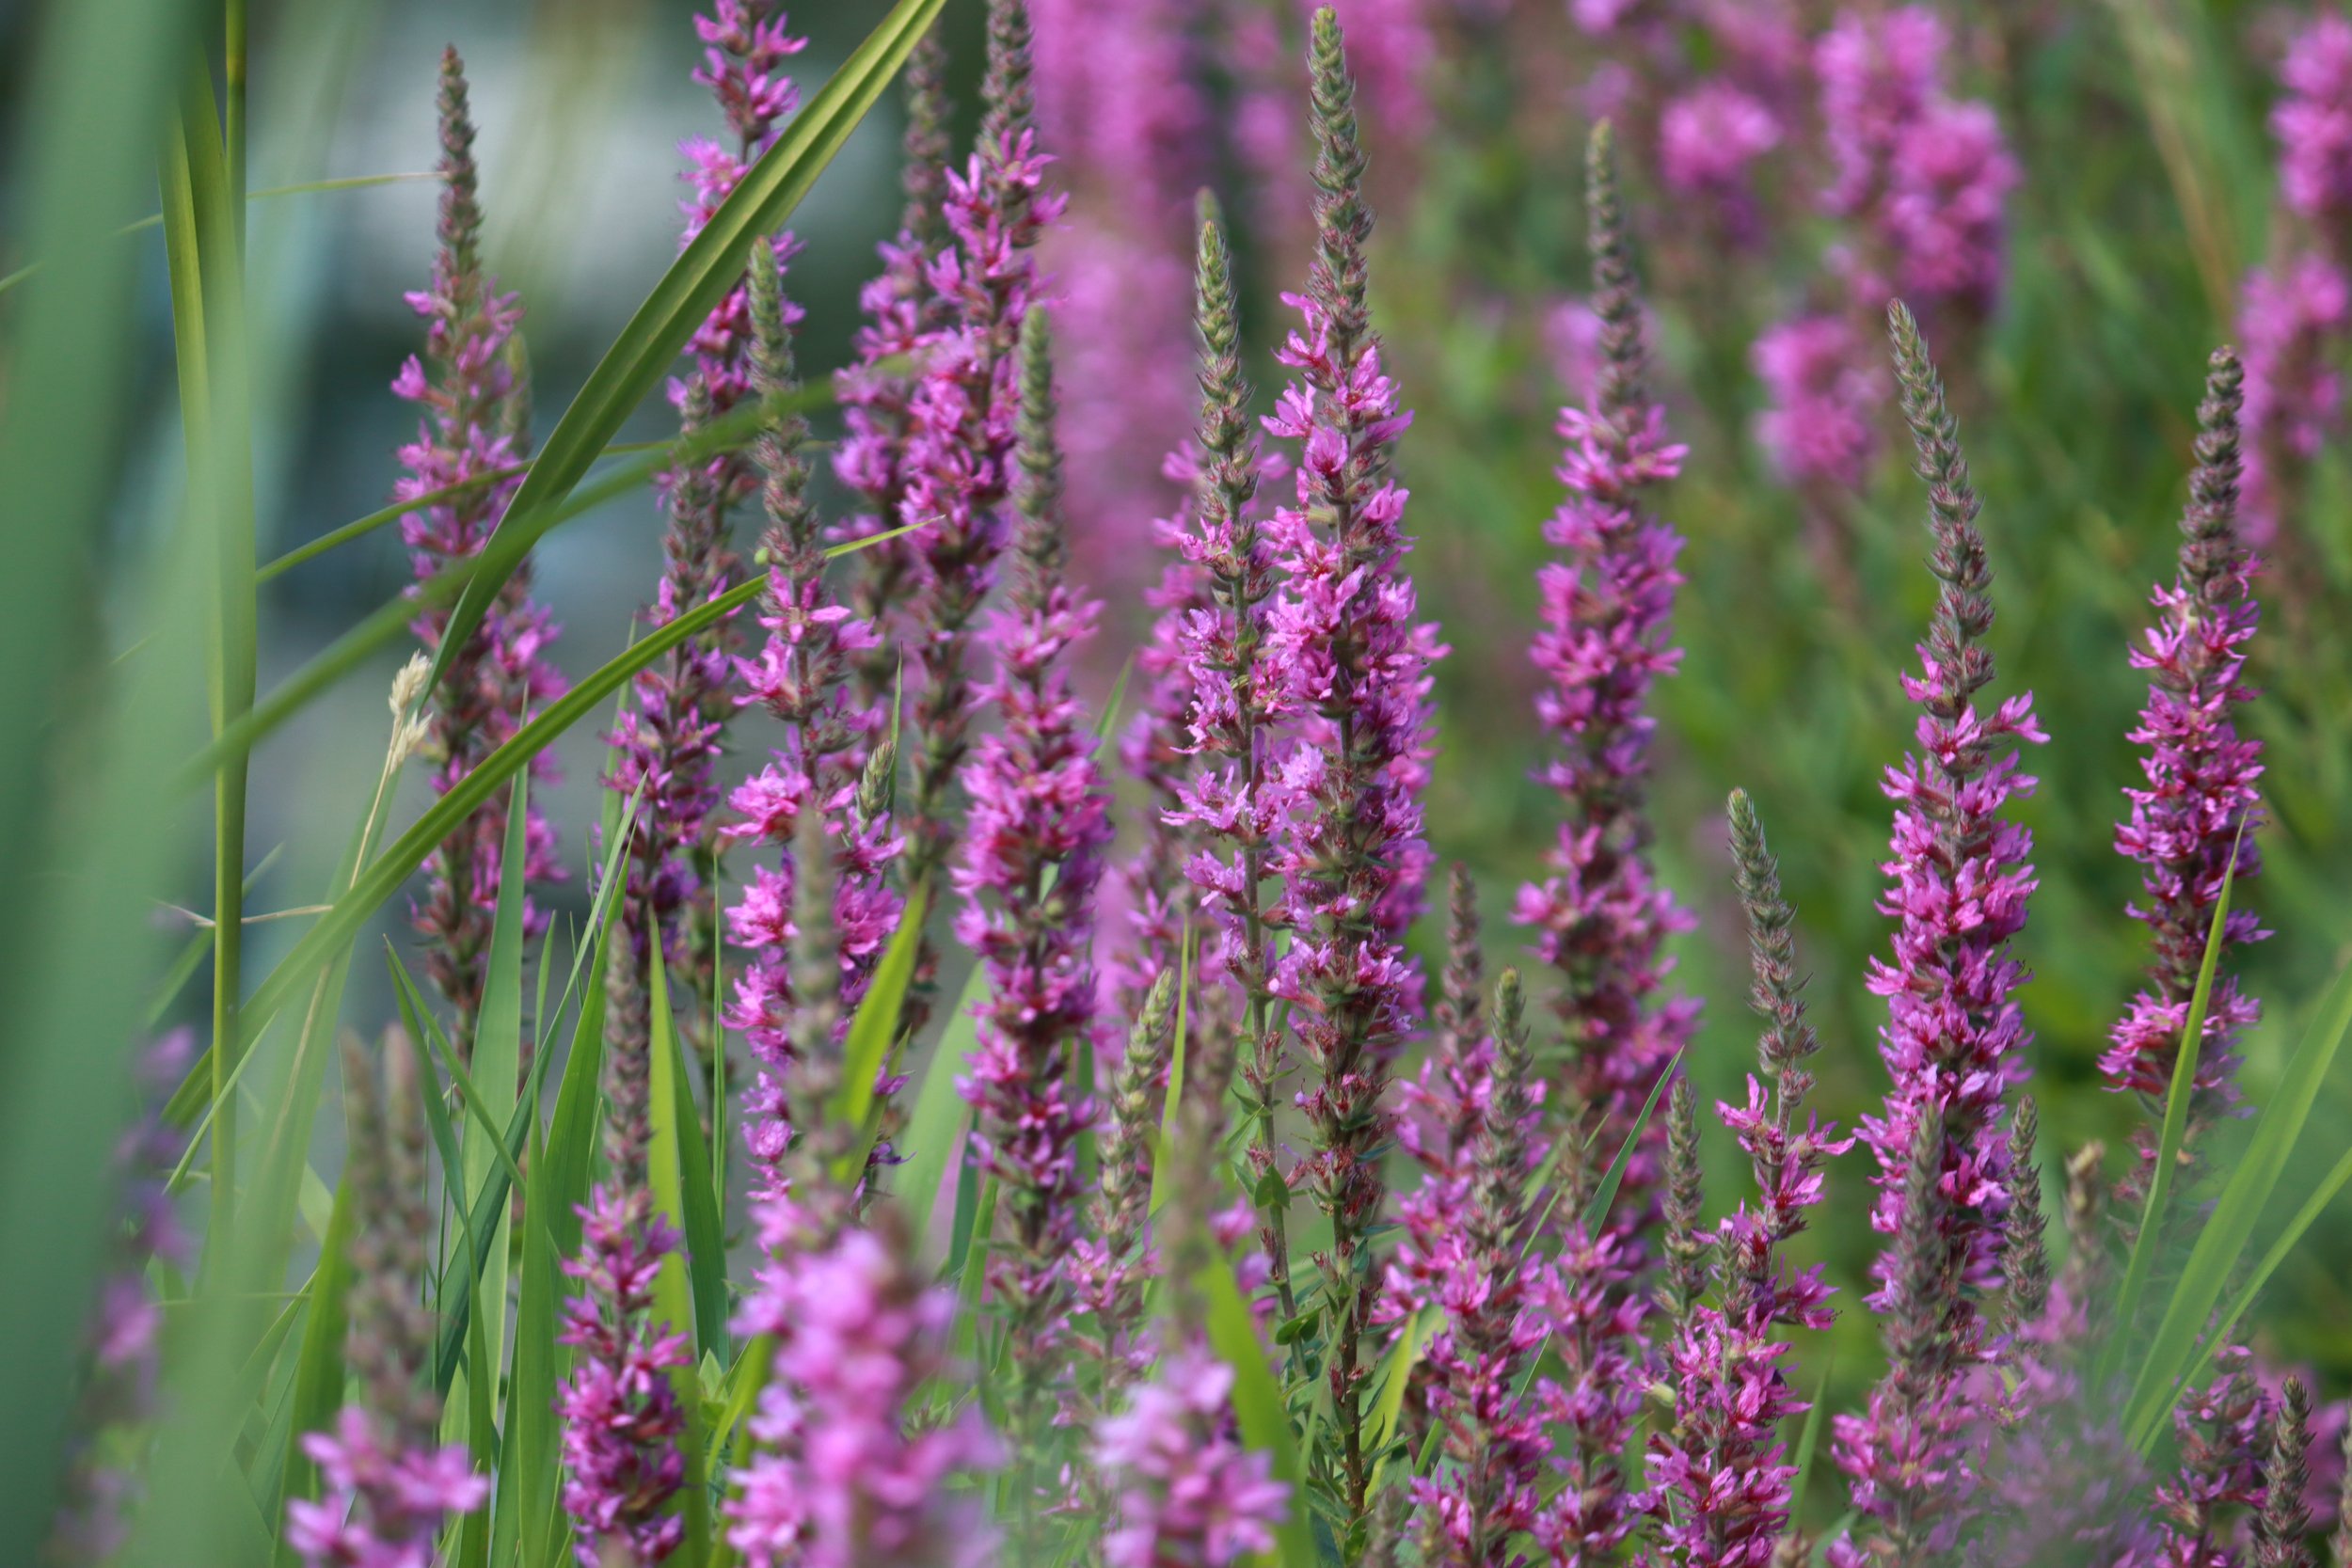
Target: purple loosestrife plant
(841,1479)
(1039,822)
(1601,915)
(670,735)
(2219,1431)
(802,678)
(2294,318)
(385,1488)
(1189,1493)
(876,389)
(469,386)
(961,418)
(2201,801)
(1920,180)
(1230,800)
(620,1414)
(1460,1254)
(1954,1040)
(1719,1475)
(1355,664)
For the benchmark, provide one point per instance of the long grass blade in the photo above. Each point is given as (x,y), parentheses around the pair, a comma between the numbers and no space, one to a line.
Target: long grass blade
(2213,1260)
(935,1130)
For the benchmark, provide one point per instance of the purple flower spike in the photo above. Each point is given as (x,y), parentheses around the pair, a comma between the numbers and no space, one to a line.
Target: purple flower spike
(1954,1041)
(474,403)
(1720,1477)
(385,1488)
(1708,139)
(1039,822)
(1820,423)
(620,1412)
(1355,664)
(1190,1494)
(963,414)
(1459,1257)
(839,1478)
(1601,914)
(2312,124)
(2294,318)
(669,737)
(876,389)
(2203,799)
(800,676)
(1921,179)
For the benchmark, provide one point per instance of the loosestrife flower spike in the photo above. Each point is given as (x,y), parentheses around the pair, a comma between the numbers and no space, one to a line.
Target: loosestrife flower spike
(1459,1255)
(1721,1480)
(1189,1493)
(876,389)
(802,678)
(620,1412)
(1601,916)
(1954,1040)
(670,735)
(1355,665)
(385,1488)
(1114,1264)
(473,406)
(1039,822)
(963,417)
(1231,803)
(839,1479)
(2201,801)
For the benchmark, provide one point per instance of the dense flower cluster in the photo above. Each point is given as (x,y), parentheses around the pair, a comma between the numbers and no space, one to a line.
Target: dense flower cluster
(800,677)
(1039,821)
(1954,1040)
(2201,803)
(620,1413)
(1353,661)
(1189,1493)
(840,1481)
(1457,1262)
(463,468)
(1820,424)
(1543,1350)
(1921,179)
(669,737)
(1720,1480)
(956,470)
(1601,915)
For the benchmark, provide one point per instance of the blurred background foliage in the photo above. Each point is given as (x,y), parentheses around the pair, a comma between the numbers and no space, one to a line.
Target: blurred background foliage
(2138,125)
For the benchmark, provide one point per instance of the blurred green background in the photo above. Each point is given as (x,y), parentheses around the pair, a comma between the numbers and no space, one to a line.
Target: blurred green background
(2138,124)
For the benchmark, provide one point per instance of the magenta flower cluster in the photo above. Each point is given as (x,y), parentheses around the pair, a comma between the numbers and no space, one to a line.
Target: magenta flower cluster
(620,1412)
(2201,802)
(1188,1492)
(668,739)
(383,1507)
(467,459)
(1954,1040)
(838,1480)
(1601,915)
